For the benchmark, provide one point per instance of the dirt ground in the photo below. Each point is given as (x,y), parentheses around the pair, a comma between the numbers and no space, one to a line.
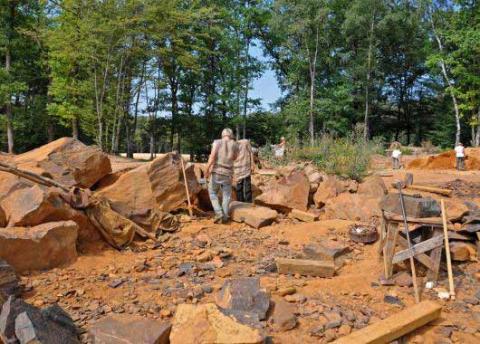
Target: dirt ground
(151,279)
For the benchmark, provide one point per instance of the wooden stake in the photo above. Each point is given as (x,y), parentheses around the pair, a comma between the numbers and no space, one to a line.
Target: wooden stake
(190,211)
(447,250)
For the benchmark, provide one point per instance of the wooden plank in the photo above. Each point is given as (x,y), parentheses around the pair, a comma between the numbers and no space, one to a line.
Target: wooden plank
(389,249)
(428,221)
(395,326)
(435,257)
(303,215)
(431,189)
(305,267)
(421,257)
(422,247)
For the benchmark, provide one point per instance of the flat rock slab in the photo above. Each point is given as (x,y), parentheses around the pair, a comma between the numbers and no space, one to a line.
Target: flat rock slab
(303,215)
(41,247)
(243,295)
(207,324)
(129,329)
(325,250)
(253,215)
(315,268)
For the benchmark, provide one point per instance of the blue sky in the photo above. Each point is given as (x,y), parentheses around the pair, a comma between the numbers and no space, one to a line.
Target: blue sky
(266,87)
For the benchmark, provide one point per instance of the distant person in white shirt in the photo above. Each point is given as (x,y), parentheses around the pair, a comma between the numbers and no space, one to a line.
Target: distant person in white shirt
(396,155)
(460,155)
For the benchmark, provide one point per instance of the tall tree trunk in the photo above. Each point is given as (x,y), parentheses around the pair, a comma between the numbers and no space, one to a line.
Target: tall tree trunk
(75,128)
(449,83)
(50,131)
(366,133)
(477,134)
(8,106)
(247,85)
(8,64)
(312,60)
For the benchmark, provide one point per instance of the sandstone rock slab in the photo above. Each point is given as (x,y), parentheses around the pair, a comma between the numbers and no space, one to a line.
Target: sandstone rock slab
(253,215)
(45,246)
(125,329)
(283,315)
(67,161)
(287,193)
(207,324)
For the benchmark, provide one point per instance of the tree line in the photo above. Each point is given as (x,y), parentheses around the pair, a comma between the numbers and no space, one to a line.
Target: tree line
(157,75)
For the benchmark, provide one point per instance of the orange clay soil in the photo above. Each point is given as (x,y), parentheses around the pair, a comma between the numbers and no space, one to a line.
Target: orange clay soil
(151,282)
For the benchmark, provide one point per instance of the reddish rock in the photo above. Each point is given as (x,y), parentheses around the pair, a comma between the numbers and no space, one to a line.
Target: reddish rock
(287,193)
(373,187)
(167,182)
(354,207)
(207,324)
(67,161)
(129,329)
(253,215)
(41,247)
(283,315)
(153,186)
(330,188)
(131,194)
(37,204)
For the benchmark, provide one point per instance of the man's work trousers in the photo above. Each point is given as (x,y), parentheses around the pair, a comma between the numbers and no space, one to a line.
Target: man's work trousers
(244,190)
(460,163)
(224,183)
(396,163)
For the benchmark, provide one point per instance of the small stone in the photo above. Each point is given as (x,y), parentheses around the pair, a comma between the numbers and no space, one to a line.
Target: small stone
(286,291)
(164,313)
(344,330)
(330,335)
(403,279)
(298,298)
(471,300)
(283,317)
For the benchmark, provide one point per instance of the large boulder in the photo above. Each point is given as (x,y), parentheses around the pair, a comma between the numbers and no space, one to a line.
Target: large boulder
(45,246)
(373,186)
(290,192)
(129,329)
(154,186)
(23,323)
(207,324)
(168,184)
(354,207)
(131,194)
(35,205)
(67,161)
(330,188)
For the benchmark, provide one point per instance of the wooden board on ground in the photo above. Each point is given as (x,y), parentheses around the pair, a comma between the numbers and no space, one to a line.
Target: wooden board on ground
(253,215)
(395,326)
(431,189)
(315,268)
(303,215)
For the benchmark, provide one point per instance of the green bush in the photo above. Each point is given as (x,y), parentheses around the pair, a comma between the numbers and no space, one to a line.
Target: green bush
(347,157)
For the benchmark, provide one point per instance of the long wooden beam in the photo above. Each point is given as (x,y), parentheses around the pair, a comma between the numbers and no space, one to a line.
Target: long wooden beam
(431,189)
(395,326)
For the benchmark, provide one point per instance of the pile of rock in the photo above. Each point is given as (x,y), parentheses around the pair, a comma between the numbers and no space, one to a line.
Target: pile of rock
(305,189)
(40,222)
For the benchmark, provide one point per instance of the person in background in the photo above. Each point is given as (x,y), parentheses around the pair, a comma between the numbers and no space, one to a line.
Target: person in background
(280,148)
(243,169)
(219,172)
(396,156)
(460,155)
